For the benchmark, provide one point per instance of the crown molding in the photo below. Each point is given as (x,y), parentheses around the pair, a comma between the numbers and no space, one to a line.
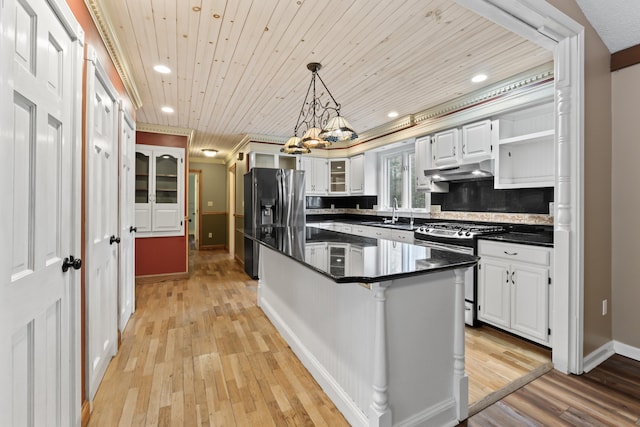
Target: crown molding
(103,22)
(167,130)
(254,137)
(513,84)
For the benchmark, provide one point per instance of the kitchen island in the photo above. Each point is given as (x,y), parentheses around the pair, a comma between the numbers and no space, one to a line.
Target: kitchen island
(379,324)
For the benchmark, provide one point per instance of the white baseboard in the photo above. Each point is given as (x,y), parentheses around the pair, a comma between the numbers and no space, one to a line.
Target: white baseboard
(598,356)
(607,350)
(442,414)
(627,350)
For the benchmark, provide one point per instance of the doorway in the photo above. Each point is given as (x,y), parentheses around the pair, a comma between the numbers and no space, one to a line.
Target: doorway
(194,197)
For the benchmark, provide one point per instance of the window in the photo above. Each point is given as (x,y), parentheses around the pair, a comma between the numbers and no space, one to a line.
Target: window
(399,180)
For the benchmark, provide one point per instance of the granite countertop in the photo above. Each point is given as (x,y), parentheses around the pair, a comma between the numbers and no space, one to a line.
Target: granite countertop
(353,258)
(536,239)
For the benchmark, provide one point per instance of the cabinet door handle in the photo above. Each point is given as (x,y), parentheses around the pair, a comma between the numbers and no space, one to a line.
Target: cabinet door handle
(512,280)
(507,281)
(510,253)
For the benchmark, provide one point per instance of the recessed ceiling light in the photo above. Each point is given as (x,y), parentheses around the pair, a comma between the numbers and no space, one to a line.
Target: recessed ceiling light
(209,152)
(162,69)
(392,114)
(479,78)
(167,109)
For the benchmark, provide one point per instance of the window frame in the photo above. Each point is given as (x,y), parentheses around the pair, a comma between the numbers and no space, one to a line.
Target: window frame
(406,153)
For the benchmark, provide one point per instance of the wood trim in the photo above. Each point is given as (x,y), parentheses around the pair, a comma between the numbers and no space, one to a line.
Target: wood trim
(212,247)
(625,58)
(104,26)
(215,213)
(239,215)
(241,261)
(151,278)
(199,173)
(85,413)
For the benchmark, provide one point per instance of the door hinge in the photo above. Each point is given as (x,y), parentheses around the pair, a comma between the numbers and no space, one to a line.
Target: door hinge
(181,160)
(549,331)
(479,308)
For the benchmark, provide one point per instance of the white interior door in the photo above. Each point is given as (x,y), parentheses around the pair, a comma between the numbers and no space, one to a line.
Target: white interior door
(101,275)
(126,291)
(40,64)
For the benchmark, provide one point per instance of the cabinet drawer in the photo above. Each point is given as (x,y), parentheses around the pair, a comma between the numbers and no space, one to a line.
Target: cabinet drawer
(515,252)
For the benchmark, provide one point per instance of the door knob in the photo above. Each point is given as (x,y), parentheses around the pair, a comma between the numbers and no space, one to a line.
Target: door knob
(71,262)
(133,229)
(114,239)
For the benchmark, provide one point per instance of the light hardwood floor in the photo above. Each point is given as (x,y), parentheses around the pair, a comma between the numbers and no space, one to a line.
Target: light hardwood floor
(199,352)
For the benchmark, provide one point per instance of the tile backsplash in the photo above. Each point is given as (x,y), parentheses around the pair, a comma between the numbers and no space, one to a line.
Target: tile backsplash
(341,202)
(480,196)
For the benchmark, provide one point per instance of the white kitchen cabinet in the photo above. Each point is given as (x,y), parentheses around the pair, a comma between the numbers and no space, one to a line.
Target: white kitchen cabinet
(356,174)
(423,162)
(525,156)
(159,200)
(402,235)
(444,147)
(316,175)
(316,255)
(514,288)
(338,176)
(271,160)
(476,141)
(363,174)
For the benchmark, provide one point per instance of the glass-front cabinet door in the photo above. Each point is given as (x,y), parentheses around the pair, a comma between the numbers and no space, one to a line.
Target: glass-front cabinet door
(166,179)
(338,175)
(159,191)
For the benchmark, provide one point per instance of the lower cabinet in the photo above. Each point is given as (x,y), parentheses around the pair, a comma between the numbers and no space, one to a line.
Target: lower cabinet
(514,288)
(316,255)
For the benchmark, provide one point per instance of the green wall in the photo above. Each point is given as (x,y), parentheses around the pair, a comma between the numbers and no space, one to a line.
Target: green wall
(214,190)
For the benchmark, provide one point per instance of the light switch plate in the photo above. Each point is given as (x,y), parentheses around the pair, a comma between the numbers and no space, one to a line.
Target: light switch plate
(209,203)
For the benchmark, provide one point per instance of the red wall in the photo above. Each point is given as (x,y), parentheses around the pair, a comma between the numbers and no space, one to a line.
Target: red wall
(162,255)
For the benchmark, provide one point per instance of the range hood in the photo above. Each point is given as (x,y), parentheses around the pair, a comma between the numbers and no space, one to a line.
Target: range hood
(461,172)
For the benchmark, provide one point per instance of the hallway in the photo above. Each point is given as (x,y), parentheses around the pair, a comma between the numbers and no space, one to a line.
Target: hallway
(199,352)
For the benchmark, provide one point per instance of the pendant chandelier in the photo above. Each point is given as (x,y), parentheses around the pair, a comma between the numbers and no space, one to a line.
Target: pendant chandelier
(322,123)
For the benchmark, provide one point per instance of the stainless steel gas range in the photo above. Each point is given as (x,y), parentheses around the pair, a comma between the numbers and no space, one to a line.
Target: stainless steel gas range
(458,237)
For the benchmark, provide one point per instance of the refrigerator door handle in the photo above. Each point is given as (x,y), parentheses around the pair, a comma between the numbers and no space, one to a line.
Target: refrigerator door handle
(279,219)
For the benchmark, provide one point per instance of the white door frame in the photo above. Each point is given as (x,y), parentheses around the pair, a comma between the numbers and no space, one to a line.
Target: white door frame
(545,25)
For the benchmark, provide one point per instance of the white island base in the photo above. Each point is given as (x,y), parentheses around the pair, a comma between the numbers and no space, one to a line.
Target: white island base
(386,353)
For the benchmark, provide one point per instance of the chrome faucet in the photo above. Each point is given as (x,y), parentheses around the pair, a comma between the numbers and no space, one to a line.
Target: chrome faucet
(394,214)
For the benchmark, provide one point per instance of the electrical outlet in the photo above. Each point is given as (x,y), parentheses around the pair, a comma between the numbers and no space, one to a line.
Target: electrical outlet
(210,235)
(604,307)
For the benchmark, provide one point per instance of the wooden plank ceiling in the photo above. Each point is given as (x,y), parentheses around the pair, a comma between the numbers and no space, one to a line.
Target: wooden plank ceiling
(239,66)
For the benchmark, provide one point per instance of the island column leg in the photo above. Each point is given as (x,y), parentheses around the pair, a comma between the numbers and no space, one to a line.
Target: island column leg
(460,379)
(380,413)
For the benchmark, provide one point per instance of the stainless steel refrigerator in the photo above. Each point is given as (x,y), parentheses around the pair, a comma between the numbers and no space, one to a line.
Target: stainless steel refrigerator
(272,197)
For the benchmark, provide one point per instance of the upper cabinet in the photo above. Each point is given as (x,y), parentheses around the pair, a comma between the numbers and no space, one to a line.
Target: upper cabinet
(338,176)
(270,160)
(445,148)
(476,141)
(316,175)
(363,174)
(525,156)
(159,191)
(356,170)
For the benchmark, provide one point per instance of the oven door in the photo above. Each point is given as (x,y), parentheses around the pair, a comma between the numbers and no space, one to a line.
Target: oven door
(469,296)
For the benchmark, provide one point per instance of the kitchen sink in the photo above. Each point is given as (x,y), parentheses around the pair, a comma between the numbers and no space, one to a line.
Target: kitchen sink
(397,225)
